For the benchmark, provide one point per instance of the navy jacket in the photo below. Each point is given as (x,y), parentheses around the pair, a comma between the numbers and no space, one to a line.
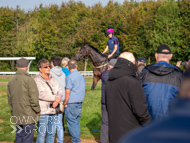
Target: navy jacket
(173,129)
(111,44)
(104,79)
(161,82)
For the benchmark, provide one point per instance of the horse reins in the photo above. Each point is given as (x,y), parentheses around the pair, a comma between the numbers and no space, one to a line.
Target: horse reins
(96,62)
(100,66)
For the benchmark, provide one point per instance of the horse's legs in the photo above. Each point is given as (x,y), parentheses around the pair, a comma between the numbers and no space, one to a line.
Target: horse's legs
(95,81)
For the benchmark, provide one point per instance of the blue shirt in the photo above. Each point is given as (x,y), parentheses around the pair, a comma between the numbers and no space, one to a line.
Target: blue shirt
(66,71)
(76,83)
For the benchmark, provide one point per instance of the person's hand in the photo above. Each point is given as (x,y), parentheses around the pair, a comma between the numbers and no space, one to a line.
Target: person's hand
(187,65)
(57,99)
(178,64)
(38,114)
(65,105)
(109,56)
(55,104)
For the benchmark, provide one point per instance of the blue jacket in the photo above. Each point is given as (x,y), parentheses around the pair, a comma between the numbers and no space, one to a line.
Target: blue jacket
(161,82)
(111,44)
(66,71)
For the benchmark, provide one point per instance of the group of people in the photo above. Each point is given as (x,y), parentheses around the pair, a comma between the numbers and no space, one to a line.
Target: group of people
(133,95)
(45,100)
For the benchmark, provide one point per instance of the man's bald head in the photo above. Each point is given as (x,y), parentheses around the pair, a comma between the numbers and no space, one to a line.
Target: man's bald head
(72,65)
(128,56)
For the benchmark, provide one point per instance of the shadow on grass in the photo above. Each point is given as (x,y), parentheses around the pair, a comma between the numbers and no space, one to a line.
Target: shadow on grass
(93,126)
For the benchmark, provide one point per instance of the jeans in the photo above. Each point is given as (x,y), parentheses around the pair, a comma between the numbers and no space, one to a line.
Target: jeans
(47,125)
(104,125)
(73,114)
(25,133)
(59,127)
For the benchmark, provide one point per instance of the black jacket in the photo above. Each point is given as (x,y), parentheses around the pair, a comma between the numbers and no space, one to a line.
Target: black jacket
(125,100)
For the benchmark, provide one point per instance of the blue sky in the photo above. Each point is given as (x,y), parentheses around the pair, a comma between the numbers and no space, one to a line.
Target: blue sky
(30,4)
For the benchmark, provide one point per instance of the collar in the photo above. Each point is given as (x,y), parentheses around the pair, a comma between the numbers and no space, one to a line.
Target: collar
(22,72)
(74,71)
(162,62)
(111,37)
(50,76)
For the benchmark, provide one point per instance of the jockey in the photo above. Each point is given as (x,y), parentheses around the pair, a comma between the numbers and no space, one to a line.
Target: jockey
(112,45)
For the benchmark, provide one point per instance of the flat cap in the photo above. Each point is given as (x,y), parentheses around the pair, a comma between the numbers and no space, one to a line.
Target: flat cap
(22,63)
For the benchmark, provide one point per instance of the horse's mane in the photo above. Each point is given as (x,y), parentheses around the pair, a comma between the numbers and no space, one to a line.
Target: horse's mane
(97,50)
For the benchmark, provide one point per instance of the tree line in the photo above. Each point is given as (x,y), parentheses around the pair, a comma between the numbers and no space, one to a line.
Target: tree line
(61,29)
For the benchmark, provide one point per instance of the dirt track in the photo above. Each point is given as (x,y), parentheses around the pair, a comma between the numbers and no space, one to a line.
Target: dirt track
(67,139)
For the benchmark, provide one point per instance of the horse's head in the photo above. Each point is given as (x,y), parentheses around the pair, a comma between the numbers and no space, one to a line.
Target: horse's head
(83,51)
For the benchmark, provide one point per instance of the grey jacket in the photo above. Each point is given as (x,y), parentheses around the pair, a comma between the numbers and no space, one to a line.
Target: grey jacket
(59,75)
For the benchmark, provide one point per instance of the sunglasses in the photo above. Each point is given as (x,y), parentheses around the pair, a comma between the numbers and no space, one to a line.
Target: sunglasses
(46,67)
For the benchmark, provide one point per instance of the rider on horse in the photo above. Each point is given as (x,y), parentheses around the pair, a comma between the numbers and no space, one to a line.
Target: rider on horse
(112,45)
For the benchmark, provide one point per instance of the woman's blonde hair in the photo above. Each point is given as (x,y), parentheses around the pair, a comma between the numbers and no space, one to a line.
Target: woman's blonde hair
(64,62)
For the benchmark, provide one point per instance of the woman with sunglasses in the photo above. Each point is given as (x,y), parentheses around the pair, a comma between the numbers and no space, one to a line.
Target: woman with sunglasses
(50,95)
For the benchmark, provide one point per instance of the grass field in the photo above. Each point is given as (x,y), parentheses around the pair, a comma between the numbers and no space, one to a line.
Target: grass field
(90,118)
(4,79)
(7,80)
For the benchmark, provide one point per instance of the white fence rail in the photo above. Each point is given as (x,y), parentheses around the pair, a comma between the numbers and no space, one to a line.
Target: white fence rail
(84,73)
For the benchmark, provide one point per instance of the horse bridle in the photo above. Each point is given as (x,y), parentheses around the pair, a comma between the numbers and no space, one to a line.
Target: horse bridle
(85,52)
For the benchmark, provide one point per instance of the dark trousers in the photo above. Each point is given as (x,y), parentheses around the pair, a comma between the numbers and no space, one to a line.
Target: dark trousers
(104,125)
(25,133)
(63,121)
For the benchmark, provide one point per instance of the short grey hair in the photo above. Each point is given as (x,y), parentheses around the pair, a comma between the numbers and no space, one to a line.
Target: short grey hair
(72,64)
(164,56)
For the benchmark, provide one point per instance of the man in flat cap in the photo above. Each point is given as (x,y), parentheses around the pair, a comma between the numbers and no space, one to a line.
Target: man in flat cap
(161,82)
(24,103)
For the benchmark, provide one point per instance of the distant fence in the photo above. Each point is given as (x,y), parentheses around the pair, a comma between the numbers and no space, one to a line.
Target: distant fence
(84,73)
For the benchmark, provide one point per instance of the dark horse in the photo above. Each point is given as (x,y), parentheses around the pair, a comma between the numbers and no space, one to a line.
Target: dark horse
(99,60)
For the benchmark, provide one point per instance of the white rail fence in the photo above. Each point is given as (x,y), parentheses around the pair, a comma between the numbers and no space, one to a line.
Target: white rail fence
(84,73)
